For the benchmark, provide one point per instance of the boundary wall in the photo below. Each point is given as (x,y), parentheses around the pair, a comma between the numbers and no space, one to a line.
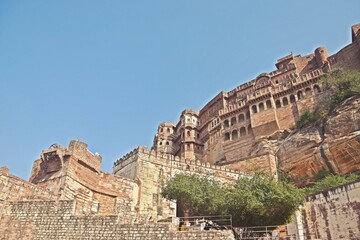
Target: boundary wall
(56,220)
(333,214)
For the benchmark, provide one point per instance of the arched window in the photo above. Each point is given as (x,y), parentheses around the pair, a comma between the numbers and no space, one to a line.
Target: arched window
(254,109)
(227,136)
(285,101)
(160,143)
(300,95)
(261,107)
(168,130)
(278,104)
(268,104)
(292,98)
(226,123)
(317,89)
(188,133)
(242,131)
(234,135)
(233,121)
(308,92)
(167,143)
(241,118)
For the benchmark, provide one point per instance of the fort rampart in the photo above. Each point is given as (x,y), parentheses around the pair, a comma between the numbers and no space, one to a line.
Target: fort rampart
(236,133)
(333,214)
(57,220)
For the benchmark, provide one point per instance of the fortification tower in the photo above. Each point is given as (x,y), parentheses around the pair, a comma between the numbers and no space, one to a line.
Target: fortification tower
(355,32)
(188,138)
(321,55)
(164,139)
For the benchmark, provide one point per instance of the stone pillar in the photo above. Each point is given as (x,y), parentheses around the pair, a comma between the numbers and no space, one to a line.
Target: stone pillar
(299,225)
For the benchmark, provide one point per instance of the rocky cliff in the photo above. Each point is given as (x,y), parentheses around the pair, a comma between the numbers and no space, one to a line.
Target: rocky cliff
(333,146)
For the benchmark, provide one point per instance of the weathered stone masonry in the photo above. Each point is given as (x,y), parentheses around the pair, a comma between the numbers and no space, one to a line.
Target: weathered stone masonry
(230,130)
(334,214)
(74,173)
(237,132)
(151,169)
(70,198)
(57,220)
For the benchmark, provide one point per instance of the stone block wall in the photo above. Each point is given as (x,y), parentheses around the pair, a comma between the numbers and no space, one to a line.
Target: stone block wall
(74,173)
(111,194)
(264,123)
(263,163)
(153,170)
(31,220)
(333,214)
(286,115)
(349,57)
(13,188)
(172,162)
(214,150)
(128,165)
(80,151)
(238,149)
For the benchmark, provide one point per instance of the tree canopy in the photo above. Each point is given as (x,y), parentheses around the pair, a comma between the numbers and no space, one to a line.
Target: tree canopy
(328,181)
(337,86)
(262,200)
(252,201)
(195,195)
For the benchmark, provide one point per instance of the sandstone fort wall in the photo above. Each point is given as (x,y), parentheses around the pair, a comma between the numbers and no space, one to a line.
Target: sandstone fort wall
(152,170)
(237,132)
(335,149)
(333,214)
(31,220)
(271,102)
(13,188)
(71,174)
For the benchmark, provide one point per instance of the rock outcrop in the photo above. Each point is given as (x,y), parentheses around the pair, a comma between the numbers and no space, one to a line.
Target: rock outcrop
(333,147)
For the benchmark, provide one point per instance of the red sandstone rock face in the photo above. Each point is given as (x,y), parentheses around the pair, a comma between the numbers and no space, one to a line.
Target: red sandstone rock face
(344,120)
(308,151)
(303,153)
(299,155)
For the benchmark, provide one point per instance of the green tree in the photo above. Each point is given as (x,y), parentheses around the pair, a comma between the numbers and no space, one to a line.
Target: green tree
(331,181)
(262,200)
(341,84)
(306,119)
(337,86)
(195,195)
(257,200)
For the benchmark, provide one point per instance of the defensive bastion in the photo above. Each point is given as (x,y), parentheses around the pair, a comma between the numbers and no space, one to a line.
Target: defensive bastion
(237,132)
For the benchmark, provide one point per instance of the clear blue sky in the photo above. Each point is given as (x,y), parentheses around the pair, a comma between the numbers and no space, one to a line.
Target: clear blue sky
(108,72)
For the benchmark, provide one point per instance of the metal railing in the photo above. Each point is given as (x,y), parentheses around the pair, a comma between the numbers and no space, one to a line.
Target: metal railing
(200,223)
(263,232)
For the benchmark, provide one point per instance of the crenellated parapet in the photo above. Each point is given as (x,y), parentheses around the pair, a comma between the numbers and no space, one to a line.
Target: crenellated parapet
(126,160)
(142,153)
